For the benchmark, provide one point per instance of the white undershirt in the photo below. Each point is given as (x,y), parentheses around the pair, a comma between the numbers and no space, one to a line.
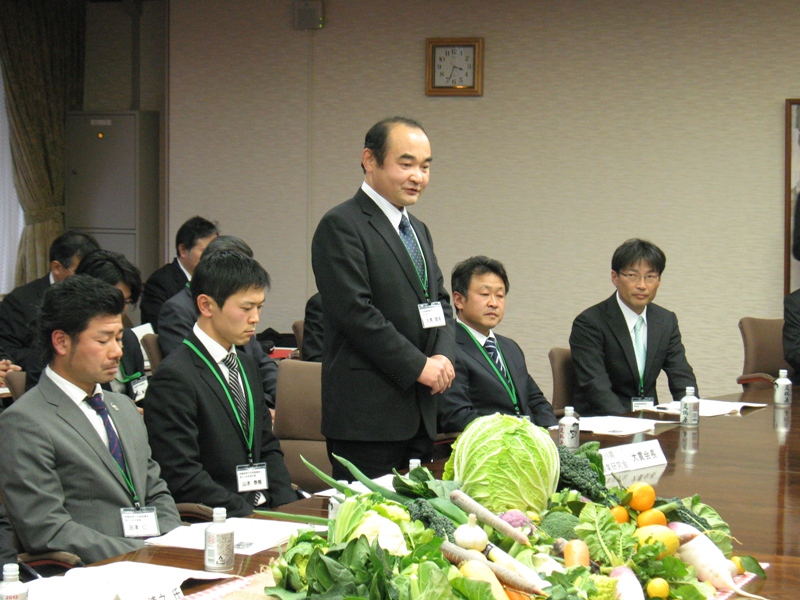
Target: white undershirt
(185,272)
(217,352)
(630,319)
(78,396)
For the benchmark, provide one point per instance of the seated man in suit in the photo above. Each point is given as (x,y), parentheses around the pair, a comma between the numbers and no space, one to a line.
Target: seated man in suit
(73,454)
(19,310)
(179,314)
(621,345)
(491,374)
(791,330)
(209,427)
(312,330)
(6,365)
(190,241)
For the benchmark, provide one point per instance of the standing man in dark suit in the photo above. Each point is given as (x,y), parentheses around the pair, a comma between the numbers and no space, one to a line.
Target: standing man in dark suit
(190,241)
(179,314)
(19,310)
(620,346)
(791,329)
(209,426)
(388,344)
(312,330)
(73,454)
(491,374)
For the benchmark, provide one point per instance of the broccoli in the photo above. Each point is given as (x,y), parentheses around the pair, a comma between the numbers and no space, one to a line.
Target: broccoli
(678,511)
(577,474)
(606,587)
(420,509)
(560,524)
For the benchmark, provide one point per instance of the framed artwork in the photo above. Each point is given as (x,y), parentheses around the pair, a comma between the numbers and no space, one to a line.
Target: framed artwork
(791,266)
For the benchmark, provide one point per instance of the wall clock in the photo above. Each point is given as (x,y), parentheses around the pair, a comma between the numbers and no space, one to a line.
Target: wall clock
(454,67)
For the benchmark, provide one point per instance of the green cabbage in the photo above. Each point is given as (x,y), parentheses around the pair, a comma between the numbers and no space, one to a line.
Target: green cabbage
(505,462)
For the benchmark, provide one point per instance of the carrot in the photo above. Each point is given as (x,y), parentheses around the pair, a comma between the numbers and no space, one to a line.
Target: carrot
(484,515)
(576,552)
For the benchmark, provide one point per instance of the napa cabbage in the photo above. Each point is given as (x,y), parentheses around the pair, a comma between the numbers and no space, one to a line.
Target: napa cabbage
(505,463)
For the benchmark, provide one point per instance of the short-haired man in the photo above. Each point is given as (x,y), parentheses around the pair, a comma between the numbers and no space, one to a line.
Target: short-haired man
(491,374)
(19,310)
(77,474)
(388,344)
(179,314)
(791,329)
(209,426)
(620,346)
(190,241)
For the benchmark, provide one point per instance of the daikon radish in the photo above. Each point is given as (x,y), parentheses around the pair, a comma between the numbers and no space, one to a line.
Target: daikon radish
(628,586)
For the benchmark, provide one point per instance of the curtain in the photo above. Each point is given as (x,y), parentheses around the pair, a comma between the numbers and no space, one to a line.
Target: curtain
(11,217)
(42,53)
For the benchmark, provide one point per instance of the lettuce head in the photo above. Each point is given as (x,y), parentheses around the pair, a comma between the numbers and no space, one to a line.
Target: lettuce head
(504,463)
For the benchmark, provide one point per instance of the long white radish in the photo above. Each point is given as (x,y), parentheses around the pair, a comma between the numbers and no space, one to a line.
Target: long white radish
(628,586)
(484,515)
(711,564)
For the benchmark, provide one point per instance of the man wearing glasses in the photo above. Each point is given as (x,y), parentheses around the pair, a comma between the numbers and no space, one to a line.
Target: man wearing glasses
(620,345)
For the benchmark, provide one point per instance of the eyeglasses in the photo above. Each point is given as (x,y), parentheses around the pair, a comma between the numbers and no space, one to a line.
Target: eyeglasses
(637,277)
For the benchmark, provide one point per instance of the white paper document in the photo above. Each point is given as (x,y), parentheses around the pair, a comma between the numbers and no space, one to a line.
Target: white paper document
(117,581)
(141,331)
(384,480)
(708,408)
(249,535)
(619,425)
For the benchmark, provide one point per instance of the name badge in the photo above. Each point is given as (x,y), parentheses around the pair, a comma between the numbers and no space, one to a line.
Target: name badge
(644,403)
(252,478)
(139,388)
(140,522)
(431,315)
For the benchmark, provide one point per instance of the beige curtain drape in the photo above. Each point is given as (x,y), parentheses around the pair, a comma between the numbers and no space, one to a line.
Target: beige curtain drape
(42,53)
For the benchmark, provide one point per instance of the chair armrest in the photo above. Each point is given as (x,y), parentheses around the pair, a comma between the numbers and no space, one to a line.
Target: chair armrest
(192,512)
(60,560)
(755,378)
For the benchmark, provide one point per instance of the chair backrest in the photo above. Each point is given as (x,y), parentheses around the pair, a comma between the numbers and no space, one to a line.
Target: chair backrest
(153,350)
(297,329)
(15,382)
(298,421)
(763,351)
(563,378)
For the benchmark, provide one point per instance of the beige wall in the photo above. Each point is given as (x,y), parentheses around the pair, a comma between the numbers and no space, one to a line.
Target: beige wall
(599,121)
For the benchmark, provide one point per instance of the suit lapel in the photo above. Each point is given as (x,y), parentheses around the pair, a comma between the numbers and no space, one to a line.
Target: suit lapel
(654,336)
(69,412)
(619,328)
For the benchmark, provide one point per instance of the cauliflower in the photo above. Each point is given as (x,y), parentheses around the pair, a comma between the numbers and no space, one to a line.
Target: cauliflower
(389,535)
(606,587)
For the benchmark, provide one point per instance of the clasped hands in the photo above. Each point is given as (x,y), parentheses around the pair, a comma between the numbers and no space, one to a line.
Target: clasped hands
(438,373)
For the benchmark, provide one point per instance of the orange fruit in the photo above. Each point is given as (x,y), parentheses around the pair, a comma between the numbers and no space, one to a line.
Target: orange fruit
(652,516)
(643,496)
(620,514)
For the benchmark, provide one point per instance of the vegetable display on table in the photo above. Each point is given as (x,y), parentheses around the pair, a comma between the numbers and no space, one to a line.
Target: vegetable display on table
(492,536)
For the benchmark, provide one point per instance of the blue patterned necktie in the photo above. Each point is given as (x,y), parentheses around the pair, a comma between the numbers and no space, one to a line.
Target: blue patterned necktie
(491,349)
(96,402)
(236,390)
(411,244)
(638,345)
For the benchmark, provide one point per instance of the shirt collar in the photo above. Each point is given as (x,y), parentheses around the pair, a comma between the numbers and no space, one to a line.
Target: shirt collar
(215,349)
(630,315)
(393,213)
(76,394)
(479,337)
(185,272)
(52,279)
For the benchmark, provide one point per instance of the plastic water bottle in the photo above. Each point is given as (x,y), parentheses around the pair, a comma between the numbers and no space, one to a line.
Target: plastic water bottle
(413,463)
(569,429)
(12,588)
(690,409)
(218,555)
(783,388)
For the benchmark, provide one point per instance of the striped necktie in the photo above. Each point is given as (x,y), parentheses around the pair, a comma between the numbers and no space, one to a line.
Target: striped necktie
(411,244)
(638,345)
(236,390)
(96,402)
(491,349)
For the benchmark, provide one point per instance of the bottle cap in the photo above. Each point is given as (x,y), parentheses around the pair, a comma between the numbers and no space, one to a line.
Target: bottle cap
(220,514)
(11,572)
(690,391)
(783,373)
(569,411)
(413,463)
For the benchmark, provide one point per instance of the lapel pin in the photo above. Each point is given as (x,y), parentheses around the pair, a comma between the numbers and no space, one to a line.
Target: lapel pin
(114,406)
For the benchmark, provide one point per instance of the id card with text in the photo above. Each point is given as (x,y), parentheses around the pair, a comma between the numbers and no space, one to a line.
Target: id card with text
(252,478)
(432,315)
(140,522)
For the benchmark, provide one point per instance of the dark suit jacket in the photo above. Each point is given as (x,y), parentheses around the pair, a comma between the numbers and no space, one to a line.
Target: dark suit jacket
(197,440)
(374,346)
(478,391)
(19,313)
(606,375)
(62,488)
(178,316)
(160,287)
(791,330)
(312,330)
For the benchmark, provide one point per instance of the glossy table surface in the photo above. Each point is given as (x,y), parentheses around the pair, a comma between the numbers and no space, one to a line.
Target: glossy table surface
(747,467)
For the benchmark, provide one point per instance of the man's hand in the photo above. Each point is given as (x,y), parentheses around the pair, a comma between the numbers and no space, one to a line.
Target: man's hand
(6,366)
(438,373)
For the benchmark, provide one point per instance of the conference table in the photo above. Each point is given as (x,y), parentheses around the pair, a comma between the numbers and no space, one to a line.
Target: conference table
(745,466)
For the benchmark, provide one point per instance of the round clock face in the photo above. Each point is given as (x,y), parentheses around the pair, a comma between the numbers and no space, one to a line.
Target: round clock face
(454,66)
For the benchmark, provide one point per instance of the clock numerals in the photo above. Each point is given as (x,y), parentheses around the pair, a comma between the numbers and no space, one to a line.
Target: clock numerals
(454,67)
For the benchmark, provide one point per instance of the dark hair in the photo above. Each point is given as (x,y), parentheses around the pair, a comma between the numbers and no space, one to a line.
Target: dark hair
(377,138)
(475,265)
(227,242)
(634,251)
(71,244)
(112,267)
(70,304)
(225,273)
(193,230)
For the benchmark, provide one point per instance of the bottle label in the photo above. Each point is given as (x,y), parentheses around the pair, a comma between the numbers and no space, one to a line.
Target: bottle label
(569,433)
(690,412)
(783,393)
(219,551)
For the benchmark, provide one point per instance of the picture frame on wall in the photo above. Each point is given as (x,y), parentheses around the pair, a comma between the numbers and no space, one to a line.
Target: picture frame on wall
(791,265)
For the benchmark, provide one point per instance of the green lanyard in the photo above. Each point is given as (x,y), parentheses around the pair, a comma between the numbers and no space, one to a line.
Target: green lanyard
(128,481)
(423,281)
(128,378)
(508,384)
(247,434)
